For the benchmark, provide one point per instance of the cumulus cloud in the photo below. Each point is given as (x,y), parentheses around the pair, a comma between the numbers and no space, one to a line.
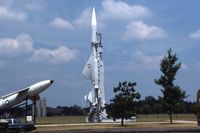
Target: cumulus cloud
(195,35)
(112,9)
(139,30)
(18,46)
(59,55)
(84,18)
(121,10)
(61,24)
(23,45)
(7,13)
(143,61)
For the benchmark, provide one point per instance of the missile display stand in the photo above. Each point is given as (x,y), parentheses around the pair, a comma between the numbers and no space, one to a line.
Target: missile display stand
(94,71)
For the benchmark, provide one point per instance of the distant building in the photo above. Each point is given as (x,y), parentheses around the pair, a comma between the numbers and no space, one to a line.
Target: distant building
(41,107)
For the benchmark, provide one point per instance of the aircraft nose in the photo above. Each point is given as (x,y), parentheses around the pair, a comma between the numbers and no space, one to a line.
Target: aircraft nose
(51,81)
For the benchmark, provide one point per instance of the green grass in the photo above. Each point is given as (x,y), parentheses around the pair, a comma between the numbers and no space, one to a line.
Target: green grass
(165,117)
(140,118)
(61,120)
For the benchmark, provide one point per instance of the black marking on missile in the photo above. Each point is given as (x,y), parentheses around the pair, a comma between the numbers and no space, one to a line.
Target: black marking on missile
(89,65)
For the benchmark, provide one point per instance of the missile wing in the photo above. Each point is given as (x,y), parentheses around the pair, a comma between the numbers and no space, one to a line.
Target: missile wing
(20,93)
(88,69)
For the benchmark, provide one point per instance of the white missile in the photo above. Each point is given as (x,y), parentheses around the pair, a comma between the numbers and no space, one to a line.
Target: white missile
(39,87)
(30,92)
(94,26)
(94,71)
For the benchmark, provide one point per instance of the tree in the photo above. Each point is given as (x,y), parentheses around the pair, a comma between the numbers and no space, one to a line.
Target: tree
(146,109)
(172,94)
(180,108)
(151,101)
(158,108)
(123,104)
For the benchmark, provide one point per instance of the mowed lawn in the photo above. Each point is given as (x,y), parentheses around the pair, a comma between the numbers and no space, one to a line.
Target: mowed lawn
(140,118)
(165,117)
(61,120)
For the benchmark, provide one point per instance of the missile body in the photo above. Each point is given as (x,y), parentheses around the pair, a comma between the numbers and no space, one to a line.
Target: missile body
(30,92)
(94,26)
(39,87)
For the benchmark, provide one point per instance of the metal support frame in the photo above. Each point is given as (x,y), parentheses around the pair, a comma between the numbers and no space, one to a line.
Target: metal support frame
(26,110)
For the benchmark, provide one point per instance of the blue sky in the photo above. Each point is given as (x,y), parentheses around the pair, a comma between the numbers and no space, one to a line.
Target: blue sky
(45,39)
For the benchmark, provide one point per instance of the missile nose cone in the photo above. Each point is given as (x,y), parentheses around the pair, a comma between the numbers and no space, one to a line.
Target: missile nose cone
(51,81)
(94,20)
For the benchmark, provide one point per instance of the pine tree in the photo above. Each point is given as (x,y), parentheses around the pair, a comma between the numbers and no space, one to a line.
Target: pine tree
(172,94)
(123,105)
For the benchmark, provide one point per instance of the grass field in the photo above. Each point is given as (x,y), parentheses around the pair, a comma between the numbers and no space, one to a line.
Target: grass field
(165,117)
(61,120)
(136,125)
(140,118)
(143,121)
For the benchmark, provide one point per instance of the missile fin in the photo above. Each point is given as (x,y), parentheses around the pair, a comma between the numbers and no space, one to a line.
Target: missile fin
(87,71)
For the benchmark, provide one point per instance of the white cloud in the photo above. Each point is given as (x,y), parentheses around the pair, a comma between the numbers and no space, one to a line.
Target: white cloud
(139,30)
(113,10)
(18,46)
(195,35)
(6,13)
(84,19)
(142,61)
(22,45)
(60,55)
(62,24)
(121,10)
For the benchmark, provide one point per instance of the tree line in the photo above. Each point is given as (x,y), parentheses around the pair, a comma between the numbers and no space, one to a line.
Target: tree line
(151,105)
(148,105)
(74,110)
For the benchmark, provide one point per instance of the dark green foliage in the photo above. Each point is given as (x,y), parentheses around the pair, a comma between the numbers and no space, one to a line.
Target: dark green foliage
(172,94)
(123,104)
(158,108)
(146,109)
(74,110)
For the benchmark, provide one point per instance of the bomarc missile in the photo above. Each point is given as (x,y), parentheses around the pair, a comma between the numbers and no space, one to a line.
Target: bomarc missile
(94,71)
(94,47)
